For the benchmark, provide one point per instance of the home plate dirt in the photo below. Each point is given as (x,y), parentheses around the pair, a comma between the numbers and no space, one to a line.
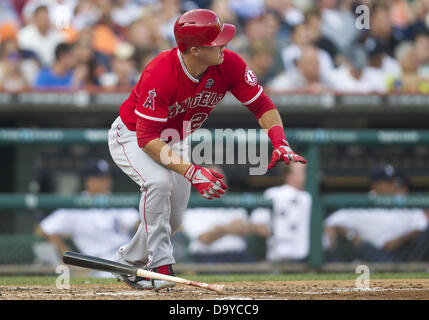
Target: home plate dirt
(271,290)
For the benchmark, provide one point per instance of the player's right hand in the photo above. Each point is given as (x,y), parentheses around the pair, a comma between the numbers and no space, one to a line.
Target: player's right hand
(206,181)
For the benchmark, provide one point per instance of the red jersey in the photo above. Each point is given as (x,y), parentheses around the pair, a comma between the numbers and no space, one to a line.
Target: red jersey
(168,93)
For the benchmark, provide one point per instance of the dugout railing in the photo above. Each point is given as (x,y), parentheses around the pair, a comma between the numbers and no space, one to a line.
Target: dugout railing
(310,140)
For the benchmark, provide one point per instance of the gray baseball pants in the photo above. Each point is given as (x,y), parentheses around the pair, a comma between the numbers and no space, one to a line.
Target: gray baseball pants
(164,199)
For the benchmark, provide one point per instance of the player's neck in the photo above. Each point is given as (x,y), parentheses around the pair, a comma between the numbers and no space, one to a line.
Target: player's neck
(195,68)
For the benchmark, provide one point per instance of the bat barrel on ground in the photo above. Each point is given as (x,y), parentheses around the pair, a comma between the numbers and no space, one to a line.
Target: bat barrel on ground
(80,260)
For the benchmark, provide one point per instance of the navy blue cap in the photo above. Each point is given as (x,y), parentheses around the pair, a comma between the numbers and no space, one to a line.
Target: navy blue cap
(384,172)
(97,168)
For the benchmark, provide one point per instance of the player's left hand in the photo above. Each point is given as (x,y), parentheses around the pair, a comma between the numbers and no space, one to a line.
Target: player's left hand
(284,152)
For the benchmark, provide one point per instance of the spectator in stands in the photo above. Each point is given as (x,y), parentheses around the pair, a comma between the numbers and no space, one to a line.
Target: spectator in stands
(410,80)
(262,55)
(247,9)
(106,33)
(16,73)
(381,61)
(40,37)
(124,12)
(313,22)
(354,76)
(421,12)
(221,7)
(167,15)
(124,73)
(304,76)
(218,234)
(287,10)
(381,27)
(301,37)
(96,62)
(88,229)
(61,75)
(421,44)
(379,234)
(338,23)
(11,75)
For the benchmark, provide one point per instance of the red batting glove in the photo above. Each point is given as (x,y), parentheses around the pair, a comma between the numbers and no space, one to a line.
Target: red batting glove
(281,151)
(206,181)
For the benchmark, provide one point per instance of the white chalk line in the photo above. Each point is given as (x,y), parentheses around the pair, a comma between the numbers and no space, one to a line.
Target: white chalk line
(363,290)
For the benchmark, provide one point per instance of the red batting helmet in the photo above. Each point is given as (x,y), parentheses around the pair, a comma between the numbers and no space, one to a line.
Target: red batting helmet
(201,27)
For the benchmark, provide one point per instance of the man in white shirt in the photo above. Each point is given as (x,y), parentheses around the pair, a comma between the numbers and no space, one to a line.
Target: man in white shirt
(355,76)
(305,75)
(376,234)
(89,228)
(40,37)
(300,39)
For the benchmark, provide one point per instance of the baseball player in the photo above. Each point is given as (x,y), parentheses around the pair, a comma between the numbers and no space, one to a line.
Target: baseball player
(176,92)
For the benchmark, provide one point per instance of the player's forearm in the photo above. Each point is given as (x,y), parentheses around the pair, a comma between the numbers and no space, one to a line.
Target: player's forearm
(212,235)
(164,155)
(270,119)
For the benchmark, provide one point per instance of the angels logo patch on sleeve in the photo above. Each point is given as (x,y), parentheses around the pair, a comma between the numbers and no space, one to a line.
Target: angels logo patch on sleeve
(150,101)
(250,77)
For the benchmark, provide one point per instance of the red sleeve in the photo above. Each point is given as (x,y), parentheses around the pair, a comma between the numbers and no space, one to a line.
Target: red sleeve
(243,81)
(147,130)
(261,105)
(152,103)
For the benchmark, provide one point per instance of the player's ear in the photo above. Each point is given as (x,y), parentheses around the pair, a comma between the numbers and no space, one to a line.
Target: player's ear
(195,51)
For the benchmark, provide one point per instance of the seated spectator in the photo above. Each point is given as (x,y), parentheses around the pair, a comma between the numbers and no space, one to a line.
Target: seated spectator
(11,75)
(124,73)
(16,72)
(300,38)
(410,80)
(262,56)
(355,76)
(61,74)
(313,22)
(421,44)
(288,234)
(338,23)
(40,37)
(125,12)
(382,28)
(380,60)
(218,234)
(247,9)
(304,76)
(376,234)
(89,228)
(291,15)
(96,62)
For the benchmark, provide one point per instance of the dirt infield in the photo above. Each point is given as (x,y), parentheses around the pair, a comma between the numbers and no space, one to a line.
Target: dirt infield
(272,290)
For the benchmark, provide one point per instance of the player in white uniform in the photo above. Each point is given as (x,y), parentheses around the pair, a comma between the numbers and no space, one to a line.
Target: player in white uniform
(90,228)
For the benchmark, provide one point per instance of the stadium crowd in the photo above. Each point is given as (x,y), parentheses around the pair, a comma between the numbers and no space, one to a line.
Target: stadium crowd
(309,45)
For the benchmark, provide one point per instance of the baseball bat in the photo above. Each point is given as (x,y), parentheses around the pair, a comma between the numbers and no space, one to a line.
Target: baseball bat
(81,260)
